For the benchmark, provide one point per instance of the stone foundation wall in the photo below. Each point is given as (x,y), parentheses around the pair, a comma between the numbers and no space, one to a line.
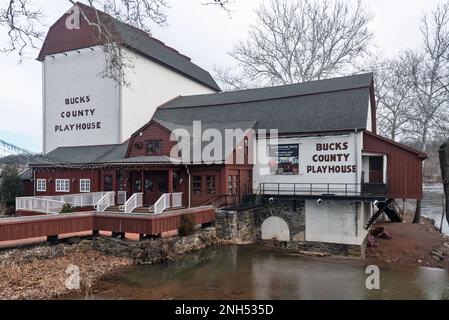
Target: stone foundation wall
(245,227)
(238,227)
(156,250)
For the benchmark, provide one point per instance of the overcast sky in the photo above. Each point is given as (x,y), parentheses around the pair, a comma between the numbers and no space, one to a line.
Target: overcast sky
(203,33)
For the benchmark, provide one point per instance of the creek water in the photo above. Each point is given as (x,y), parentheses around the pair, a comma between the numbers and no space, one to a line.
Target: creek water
(432,205)
(252,272)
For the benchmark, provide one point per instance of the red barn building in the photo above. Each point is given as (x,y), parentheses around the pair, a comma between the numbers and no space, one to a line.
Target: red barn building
(312,143)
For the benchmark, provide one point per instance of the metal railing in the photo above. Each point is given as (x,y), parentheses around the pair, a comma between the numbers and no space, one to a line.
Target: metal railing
(135,201)
(235,201)
(105,202)
(43,205)
(324,189)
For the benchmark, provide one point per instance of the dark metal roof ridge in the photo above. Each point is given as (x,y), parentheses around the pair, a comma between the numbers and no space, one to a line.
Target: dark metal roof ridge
(169,104)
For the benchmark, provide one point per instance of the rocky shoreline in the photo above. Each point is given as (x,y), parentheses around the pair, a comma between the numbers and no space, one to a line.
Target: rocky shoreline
(417,245)
(41,271)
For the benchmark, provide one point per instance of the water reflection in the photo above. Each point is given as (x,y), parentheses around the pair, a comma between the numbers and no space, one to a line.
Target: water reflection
(254,273)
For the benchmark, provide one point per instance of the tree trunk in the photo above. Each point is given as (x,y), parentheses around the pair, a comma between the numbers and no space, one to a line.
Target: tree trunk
(444,165)
(417,217)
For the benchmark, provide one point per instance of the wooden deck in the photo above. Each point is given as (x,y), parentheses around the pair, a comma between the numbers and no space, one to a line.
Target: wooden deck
(52,225)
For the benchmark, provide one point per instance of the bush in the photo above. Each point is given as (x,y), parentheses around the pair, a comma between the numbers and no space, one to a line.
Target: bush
(68,208)
(187,226)
(11,186)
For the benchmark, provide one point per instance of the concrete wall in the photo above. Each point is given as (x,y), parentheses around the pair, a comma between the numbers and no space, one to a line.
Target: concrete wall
(150,85)
(337,221)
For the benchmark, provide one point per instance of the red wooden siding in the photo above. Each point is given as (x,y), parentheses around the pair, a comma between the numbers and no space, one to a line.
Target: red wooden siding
(404,166)
(74,175)
(153,131)
(204,172)
(41,226)
(61,39)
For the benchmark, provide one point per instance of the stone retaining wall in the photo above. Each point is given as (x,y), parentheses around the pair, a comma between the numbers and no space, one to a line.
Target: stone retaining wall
(245,227)
(157,250)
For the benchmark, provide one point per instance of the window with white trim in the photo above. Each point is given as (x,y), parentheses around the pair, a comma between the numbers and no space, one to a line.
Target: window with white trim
(84,185)
(41,185)
(62,185)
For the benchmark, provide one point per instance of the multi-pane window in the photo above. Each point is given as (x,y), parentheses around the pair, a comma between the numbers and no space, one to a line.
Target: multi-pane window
(210,184)
(233,184)
(84,185)
(41,185)
(108,183)
(153,146)
(62,185)
(148,184)
(197,185)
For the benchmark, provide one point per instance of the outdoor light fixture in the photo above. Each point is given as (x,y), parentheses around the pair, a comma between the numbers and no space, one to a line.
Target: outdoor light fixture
(319,201)
(376,203)
(271,200)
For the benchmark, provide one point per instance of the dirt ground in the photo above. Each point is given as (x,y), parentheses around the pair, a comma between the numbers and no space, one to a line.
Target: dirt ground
(411,244)
(41,272)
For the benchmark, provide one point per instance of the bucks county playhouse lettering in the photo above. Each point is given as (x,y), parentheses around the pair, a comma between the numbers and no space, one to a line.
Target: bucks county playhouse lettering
(338,157)
(78,113)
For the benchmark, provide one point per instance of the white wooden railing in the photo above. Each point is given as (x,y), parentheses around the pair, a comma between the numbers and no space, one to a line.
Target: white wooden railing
(79,199)
(43,205)
(162,204)
(176,200)
(54,204)
(121,197)
(135,201)
(105,202)
(167,201)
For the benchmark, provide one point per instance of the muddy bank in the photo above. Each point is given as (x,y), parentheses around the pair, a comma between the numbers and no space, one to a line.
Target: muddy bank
(412,244)
(40,272)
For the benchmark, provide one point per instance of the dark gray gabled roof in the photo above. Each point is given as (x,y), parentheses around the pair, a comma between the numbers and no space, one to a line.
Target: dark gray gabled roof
(83,154)
(157,50)
(318,106)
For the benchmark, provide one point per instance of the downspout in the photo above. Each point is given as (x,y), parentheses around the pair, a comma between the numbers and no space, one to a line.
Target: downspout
(190,194)
(357,161)
(34,183)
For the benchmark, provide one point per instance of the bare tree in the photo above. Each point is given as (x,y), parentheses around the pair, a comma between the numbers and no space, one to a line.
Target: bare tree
(299,40)
(393,98)
(23,22)
(428,72)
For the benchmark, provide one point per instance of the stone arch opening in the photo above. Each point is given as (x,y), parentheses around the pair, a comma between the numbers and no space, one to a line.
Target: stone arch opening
(275,228)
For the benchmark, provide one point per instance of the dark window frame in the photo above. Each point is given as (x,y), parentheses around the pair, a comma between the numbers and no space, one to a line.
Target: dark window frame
(153,147)
(197,186)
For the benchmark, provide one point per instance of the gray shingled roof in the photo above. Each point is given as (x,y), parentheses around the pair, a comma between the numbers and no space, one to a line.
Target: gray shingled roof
(318,106)
(83,154)
(157,50)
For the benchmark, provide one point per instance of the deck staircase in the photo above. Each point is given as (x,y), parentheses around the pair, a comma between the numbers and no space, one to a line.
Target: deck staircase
(390,208)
